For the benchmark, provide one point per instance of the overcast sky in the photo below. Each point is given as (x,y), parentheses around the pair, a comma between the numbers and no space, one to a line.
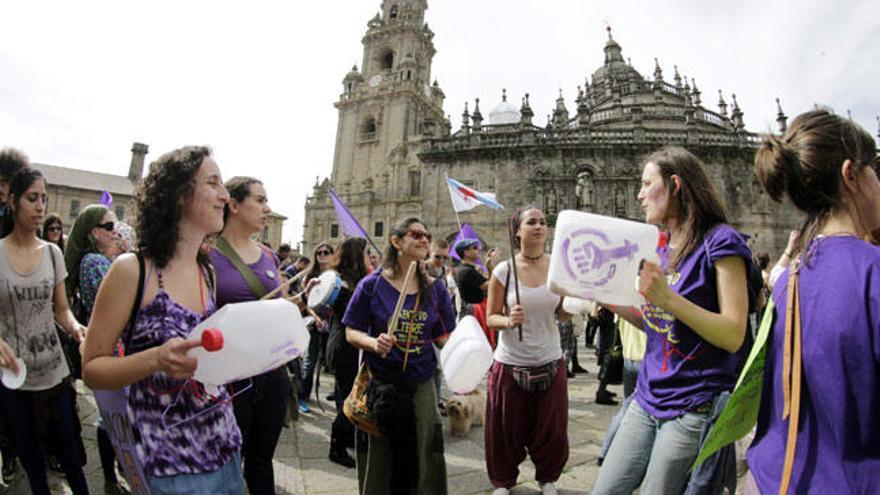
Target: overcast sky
(80,81)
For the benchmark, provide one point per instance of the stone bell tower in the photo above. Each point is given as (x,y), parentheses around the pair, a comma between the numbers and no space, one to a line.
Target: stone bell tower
(385,110)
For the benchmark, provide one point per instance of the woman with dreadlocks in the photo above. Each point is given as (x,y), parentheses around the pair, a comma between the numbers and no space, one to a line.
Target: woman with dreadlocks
(408,459)
(527,407)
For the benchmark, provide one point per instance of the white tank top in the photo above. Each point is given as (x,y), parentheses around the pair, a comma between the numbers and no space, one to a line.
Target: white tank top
(540,343)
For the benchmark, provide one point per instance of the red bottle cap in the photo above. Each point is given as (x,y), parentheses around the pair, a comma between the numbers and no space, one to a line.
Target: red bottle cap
(212,339)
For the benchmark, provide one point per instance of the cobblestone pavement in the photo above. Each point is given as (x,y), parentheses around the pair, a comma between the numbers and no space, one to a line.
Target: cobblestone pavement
(302,467)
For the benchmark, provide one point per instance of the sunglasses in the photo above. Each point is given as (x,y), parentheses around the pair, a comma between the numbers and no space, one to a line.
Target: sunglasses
(54,229)
(441,257)
(108,226)
(324,253)
(418,235)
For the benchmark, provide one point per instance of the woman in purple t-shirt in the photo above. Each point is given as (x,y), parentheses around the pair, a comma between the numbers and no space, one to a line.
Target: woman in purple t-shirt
(179,204)
(695,321)
(261,405)
(826,165)
(409,457)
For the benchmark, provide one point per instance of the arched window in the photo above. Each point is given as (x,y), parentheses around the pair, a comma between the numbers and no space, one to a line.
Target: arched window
(392,14)
(368,129)
(387,60)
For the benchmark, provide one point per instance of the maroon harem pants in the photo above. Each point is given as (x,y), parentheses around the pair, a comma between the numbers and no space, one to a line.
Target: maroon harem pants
(520,422)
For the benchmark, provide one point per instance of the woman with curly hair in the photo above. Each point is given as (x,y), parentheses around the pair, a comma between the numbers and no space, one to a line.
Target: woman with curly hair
(32,299)
(179,203)
(53,230)
(409,458)
(246,271)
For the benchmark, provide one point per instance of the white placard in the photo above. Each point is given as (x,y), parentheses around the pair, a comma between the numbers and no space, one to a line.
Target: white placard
(597,257)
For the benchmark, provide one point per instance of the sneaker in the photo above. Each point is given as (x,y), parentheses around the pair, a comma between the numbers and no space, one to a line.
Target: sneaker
(579,369)
(501,491)
(570,374)
(115,488)
(548,489)
(303,407)
(10,470)
(330,398)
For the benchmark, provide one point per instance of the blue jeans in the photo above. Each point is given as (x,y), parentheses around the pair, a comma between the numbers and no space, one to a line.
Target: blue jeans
(652,452)
(630,377)
(227,480)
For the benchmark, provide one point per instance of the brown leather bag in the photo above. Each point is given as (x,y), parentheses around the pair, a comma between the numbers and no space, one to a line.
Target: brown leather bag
(355,405)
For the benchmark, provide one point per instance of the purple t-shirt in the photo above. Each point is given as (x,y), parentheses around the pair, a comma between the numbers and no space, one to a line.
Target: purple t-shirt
(231,285)
(681,371)
(370,309)
(838,443)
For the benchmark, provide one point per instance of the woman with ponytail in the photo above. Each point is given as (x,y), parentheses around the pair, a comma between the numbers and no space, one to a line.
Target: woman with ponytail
(818,430)
(408,459)
(527,407)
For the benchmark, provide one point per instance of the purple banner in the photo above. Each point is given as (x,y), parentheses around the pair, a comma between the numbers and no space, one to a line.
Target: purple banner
(113,405)
(349,224)
(466,232)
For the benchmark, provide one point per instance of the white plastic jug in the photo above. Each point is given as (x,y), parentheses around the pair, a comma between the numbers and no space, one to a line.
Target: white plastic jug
(597,257)
(258,336)
(466,357)
(575,306)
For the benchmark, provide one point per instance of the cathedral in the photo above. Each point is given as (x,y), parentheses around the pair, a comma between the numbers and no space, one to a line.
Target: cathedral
(395,147)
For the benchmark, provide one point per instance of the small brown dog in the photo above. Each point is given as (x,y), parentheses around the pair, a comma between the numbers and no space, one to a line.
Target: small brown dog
(464,411)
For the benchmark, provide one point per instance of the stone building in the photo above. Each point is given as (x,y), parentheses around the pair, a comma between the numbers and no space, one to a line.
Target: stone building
(70,190)
(394,148)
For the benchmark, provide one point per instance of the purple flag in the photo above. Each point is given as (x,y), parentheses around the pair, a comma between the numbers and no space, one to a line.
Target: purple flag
(466,232)
(349,224)
(106,199)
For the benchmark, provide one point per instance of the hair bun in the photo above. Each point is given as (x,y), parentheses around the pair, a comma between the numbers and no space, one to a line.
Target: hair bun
(778,167)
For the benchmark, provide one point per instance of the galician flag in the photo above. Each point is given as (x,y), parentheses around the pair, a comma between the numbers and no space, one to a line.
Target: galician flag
(464,198)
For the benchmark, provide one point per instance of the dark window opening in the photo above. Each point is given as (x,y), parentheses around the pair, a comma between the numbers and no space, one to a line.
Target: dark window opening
(120,213)
(393,12)
(379,229)
(334,231)
(369,129)
(388,60)
(408,75)
(415,183)
(74,208)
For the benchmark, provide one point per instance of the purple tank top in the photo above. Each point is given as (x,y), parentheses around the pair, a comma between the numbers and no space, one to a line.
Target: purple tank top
(205,442)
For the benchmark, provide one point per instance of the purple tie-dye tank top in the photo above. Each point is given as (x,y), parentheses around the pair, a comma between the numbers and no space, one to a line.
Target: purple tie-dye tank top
(210,436)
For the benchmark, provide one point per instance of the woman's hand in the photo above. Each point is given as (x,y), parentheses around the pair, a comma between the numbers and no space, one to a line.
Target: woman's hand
(7,357)
(173,359)
(383,344)
(311,283)
(79,333)
(517,316)
(652,284)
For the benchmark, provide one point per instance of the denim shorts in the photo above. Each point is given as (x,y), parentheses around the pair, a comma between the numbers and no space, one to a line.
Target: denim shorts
(227,480)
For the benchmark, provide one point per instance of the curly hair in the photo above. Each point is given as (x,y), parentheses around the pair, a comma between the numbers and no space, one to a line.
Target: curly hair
(399,231)
(159,201)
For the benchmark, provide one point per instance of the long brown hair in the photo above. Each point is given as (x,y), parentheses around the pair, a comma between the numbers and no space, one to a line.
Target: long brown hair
(804,165)
(398,231)
(697,202)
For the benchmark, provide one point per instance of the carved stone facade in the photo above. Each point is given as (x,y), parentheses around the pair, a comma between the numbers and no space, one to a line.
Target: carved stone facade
(588,160)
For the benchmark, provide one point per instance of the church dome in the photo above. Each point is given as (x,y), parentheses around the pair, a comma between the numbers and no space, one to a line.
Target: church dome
(504,112)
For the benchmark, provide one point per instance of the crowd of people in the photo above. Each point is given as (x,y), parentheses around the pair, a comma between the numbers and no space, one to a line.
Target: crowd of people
(113,305)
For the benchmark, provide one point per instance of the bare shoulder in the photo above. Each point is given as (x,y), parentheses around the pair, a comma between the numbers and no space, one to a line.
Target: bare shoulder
(125,269)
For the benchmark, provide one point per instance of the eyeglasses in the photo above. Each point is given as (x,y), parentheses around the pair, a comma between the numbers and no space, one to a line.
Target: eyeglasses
(418,235)
(323,253)
(54,229)
(108,226)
